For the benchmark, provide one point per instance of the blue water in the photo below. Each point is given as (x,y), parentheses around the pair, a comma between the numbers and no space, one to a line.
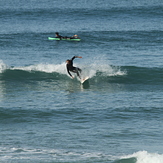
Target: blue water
(116,116)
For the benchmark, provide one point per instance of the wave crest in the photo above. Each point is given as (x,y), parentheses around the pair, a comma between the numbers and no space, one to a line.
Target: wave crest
(142,157)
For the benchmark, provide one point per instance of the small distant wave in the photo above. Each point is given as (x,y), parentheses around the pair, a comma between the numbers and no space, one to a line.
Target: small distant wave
(141,157)
(142,75)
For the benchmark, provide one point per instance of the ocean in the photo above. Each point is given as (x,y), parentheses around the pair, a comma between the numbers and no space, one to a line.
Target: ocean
(114,117)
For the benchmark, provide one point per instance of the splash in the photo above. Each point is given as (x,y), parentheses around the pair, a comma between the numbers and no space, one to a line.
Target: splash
(3,66)
(93,70)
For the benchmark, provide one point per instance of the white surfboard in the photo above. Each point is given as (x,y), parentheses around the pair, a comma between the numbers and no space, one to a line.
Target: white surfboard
(83,80)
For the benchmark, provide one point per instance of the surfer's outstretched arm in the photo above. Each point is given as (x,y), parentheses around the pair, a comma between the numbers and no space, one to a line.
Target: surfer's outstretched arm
(75,57)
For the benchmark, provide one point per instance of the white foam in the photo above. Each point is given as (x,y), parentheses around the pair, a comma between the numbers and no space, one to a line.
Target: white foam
(105,70)
(3,66)
(9,154)
(145,157)
(48,68)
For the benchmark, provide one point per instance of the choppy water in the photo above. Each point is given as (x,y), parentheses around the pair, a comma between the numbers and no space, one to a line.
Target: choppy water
(115,117)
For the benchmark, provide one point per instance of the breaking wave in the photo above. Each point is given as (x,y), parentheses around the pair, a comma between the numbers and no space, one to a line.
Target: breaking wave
(105,73)
(55,71)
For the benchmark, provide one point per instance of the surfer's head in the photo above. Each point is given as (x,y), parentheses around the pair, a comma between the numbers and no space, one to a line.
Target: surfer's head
(57,33)
(67,61)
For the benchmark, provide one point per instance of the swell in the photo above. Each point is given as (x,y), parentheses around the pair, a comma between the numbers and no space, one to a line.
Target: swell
(140,75)
(83,11)
(85,16)
(18,115)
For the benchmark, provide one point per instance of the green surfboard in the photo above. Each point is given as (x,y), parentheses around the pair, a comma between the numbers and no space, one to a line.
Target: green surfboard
(67,39)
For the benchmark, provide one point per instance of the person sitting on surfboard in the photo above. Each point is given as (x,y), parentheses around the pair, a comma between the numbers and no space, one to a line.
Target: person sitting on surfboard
(74,37)
(71,68)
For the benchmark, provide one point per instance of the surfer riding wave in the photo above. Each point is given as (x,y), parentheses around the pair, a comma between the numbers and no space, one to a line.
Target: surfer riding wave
(71,68)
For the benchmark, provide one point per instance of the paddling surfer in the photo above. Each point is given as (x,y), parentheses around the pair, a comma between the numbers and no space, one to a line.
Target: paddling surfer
(71,68)
(57,35)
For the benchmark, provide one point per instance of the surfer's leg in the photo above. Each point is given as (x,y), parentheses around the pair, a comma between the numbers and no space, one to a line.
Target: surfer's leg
(78,75)
(77,71)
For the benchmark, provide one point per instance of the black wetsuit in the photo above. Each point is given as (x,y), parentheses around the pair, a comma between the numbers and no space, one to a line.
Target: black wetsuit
(59,36)
(71,68)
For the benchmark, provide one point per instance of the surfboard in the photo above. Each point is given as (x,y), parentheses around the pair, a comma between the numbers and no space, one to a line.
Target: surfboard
(68,39)
(84,80)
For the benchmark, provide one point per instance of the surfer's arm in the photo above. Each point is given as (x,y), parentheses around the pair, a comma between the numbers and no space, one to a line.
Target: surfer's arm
(75,57)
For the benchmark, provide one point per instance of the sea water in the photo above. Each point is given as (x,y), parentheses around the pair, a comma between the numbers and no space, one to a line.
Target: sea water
(116,116)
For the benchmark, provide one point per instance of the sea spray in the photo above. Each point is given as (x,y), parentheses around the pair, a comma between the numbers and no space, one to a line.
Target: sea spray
(93,70)
(3,66)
